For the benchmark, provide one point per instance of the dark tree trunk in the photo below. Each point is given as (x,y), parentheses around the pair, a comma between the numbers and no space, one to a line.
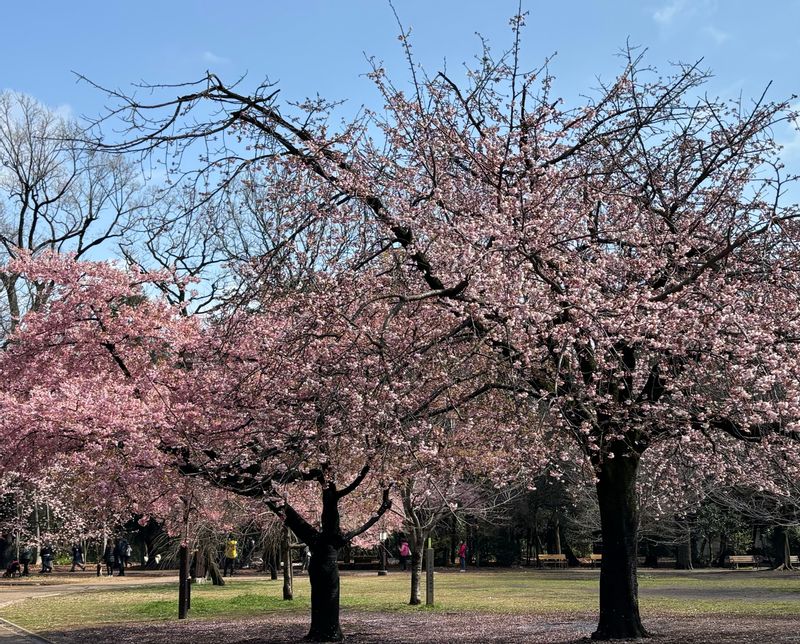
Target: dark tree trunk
(213,571)
(566,549)
(199,568)
(683,559)
(451,555)
(323,574)
(650,555)
(325,544)
(723,550)
(528,537)
(271,560)
(696,547)
(780,549)
(556,536)
(619,592)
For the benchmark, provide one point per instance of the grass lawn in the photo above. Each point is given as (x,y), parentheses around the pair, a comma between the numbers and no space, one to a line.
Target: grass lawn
(741,593)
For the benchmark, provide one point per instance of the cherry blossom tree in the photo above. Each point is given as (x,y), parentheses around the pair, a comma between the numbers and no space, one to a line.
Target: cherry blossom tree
(630,263)
(296,403)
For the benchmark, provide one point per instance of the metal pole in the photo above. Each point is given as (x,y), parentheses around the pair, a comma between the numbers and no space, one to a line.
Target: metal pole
(183,579)
(429,574)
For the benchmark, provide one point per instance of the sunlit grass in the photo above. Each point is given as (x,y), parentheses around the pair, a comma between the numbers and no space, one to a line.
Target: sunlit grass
(518,592)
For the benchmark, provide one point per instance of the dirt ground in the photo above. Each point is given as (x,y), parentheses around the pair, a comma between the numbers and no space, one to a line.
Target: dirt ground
(379,628)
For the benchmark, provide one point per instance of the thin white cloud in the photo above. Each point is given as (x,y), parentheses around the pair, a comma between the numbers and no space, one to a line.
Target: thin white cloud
(211,57)
(64,111)
(791,148)
(716,35)
(667,13)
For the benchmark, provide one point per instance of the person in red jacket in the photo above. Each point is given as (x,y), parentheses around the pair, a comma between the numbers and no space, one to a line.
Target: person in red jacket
(462,556)
(405,553)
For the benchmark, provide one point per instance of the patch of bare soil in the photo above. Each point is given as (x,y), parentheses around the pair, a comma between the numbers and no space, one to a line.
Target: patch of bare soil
(461,628)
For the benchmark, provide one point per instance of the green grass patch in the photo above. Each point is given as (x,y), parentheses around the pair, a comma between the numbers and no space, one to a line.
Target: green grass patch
(518,592)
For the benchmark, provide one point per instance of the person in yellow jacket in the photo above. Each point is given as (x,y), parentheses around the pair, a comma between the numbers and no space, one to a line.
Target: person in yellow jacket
(230,554)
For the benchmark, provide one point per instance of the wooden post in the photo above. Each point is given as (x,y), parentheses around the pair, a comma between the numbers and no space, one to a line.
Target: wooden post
(429,574)
(288,590)
(183,581)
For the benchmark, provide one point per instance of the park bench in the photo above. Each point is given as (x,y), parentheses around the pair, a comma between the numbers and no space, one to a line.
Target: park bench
(362,562)
(660,562)
(794,560)
(734,561)
(592,560)
(560,561)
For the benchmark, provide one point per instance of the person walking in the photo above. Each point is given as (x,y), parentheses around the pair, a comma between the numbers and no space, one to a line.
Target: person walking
(108,558)
(77,557)
(47,559)
(25,557)
(462,556)
(405,553)
(230,555)
(121,554)
(306,559)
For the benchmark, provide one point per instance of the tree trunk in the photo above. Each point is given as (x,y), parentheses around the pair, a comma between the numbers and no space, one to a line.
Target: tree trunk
(556,536)
(566,549)
(451,554)
(619,519)
(780,548)
(273,564)
(216,576)
(683,559)
(723,550)
(416,569)
(323,574)
(288,590)
(199,570)
(528,538)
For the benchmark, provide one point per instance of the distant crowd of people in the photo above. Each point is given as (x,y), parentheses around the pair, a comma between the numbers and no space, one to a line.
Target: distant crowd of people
(17,562)
(116,556)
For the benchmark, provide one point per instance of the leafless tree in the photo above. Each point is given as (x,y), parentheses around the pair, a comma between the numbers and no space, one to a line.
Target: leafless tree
(56,194)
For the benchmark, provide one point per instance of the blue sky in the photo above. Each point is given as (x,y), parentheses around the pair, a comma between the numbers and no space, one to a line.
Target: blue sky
(318,46)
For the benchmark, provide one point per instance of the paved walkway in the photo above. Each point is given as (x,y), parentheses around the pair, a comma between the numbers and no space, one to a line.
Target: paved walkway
(14,591)
(12,634)
(64,584)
